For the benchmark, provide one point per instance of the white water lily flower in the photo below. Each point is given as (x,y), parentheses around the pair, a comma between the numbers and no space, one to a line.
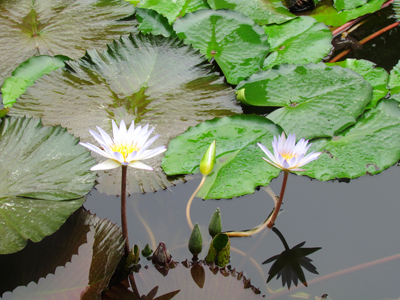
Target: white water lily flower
(289,156)
(127,148)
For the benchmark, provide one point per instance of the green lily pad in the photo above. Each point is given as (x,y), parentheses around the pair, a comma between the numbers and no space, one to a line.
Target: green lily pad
(369,147)
(40,167)
(57,27)
(152,22)
(237,44)
(299,41)
(326,13)
(88,273)
(348,4)
(26,74)
(173,10)
(394,79)
(317,100)
(377,77)
(263,12)
(239,167)
(147,79)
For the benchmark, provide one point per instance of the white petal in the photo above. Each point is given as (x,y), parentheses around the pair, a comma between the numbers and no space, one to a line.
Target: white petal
(106,165)
(144,138)
(140,165)
(266,151)
(309,158)
(131,129)
(95,149)
(98,137)
(116,135)
(290,143)
(122,130)
(272,164)
(153,152)
(105,136)
(118,156)
(147,144)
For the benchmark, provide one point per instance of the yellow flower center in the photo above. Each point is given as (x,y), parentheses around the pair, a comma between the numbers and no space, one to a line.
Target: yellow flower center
(124,149)
(288,156)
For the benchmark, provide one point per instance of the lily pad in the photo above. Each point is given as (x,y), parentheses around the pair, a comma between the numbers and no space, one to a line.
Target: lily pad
(326,13)
(26,74)
(173,10)
(57,27)
(299,41)
(316,100)
(237,44)
(144,78)
(40,167)
(377,77)
(96,260)
(263,12)
(369,147)
(348,4)
(239,167)
(394,80)
(152,22)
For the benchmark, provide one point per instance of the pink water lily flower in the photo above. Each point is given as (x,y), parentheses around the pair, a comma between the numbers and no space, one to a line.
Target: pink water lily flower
(128,147)
(289,156)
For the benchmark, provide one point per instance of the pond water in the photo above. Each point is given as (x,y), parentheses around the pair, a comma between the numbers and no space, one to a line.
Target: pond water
(356,224)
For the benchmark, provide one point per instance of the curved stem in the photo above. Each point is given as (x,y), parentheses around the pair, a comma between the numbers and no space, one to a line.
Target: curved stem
(189,220)
(153,243)
(123,210)
(280,235)
(278,205)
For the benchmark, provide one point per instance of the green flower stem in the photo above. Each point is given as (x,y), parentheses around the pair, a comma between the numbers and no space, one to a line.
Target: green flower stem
(123,210)
(271,222)
(189,220)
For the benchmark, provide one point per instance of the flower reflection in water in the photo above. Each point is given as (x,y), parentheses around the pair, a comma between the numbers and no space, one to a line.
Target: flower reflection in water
(289,263)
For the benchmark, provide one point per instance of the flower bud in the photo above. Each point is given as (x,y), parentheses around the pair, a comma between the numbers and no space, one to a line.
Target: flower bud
(208,161)
(146,251)
(215,225)
(195,241)
(161,256)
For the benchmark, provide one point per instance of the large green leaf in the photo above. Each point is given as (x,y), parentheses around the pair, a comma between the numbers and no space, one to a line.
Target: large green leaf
(237,44)
(326,13)
(143,78)
(39,167)
(239,167)
(299,41)
(348,4)
(377,77)
(317,100)
(26,74)
(394,79)
(263,12)
(369,147)
(57,27)
(173,9)
(88,273)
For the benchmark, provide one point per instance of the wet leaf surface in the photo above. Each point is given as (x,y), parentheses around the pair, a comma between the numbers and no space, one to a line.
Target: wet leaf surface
(57,27)
(237,44)
(317,100)
(239,167)
(41,166)
(143,78)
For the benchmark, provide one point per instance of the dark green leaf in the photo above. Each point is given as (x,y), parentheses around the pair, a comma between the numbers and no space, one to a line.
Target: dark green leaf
(299,41)
(237,44)
(47,165)
(348,4)
(394,79)
(317,100)
(239,167)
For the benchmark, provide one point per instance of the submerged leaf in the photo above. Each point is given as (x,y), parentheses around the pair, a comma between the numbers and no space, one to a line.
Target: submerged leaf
(144,78)
(57,27)
(154,23)
(317,100)
(237,44)
(239,168)
(40,167)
